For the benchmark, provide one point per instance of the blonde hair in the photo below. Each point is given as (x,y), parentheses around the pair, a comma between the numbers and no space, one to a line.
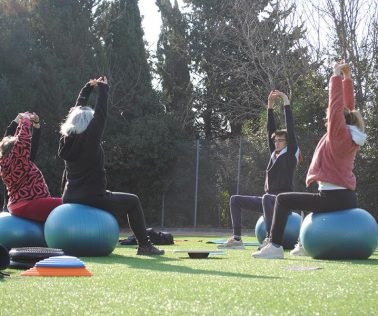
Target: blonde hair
(77,120)
(6,145)
(355,118)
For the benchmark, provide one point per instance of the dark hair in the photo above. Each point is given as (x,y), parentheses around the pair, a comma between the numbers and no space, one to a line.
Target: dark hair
(6,145)
(280,132)
(283,132)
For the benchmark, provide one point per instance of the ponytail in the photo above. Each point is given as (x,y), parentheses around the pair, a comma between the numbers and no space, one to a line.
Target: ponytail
(354,117)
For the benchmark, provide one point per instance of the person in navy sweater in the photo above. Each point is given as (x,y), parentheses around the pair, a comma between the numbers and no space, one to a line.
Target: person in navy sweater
(331,166)
(84,177)
(284,155)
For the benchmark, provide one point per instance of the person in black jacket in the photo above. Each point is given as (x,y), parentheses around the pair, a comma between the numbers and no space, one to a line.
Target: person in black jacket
(36,134)
(279,177)
(84,177)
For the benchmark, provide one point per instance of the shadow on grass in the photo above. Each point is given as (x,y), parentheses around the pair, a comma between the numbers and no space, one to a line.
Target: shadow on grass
(366,262)
(158,264)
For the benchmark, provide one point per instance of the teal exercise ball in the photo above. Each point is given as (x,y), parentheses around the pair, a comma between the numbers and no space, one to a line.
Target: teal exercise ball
(345,234)
(17,232)
(81,230)
(291,232)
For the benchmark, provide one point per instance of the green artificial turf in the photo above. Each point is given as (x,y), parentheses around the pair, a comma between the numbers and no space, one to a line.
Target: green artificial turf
(230,284)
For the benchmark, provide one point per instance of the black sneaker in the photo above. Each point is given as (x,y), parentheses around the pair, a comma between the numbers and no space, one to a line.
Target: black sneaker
(149,250)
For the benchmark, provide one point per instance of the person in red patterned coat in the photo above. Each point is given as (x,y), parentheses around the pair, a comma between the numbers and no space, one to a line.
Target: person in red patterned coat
(28,194)
(36,134)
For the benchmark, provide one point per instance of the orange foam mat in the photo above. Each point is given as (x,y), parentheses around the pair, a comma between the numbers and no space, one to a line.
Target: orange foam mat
(43,271)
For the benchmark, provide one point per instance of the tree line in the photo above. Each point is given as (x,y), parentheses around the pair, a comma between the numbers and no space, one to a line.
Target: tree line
(216,62)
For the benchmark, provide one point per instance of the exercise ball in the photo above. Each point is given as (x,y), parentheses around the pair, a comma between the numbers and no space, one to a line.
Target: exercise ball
(16,232)
(81,230)
(291,232)
(346,234)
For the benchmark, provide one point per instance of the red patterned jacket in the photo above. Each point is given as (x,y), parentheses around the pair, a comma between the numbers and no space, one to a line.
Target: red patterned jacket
(23,179)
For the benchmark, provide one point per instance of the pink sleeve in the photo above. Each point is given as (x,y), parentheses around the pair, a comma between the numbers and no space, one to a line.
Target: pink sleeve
(348,94)
(336,121)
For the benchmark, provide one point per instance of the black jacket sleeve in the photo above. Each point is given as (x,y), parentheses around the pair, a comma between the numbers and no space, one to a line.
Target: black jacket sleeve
(85,92)
(292,144)
(97,125)
(271,128)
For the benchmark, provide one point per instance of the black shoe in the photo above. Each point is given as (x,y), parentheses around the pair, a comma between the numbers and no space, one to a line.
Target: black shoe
(149,250)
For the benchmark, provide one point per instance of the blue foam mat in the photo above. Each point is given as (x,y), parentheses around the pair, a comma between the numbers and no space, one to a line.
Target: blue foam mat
(60,261)
(60,264)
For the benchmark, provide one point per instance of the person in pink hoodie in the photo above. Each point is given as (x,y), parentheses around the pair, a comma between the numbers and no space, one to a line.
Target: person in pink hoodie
(331,166)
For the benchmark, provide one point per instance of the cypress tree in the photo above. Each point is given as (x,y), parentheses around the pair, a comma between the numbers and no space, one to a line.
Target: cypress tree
(132,93)
(140,137)
(173,65)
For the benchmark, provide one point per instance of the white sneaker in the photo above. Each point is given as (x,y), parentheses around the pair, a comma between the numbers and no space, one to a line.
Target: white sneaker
(269,252)
(263,244)
(232,244)
(298,250)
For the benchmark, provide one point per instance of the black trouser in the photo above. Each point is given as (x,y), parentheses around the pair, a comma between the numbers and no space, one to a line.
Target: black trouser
(324,201)
(264,204)
(114,202)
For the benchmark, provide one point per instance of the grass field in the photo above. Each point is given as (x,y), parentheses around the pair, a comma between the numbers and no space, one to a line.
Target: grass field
(230,284)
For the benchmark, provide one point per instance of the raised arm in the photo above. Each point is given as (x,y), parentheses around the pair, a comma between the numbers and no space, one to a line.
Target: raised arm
(271,123)
(348,90)
(292,144)
(335,112)
(85,92)
(22,145)
(97,126)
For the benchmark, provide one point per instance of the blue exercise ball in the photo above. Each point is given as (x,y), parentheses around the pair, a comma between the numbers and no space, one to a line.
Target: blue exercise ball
(346,234)
(291,232)
(16,232)
(81,230)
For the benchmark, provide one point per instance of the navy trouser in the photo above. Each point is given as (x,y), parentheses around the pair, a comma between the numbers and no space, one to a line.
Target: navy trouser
(324,201)
(264,204)
(114,202)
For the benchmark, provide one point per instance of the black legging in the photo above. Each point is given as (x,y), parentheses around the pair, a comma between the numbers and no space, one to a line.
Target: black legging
(118,201)
(324,201)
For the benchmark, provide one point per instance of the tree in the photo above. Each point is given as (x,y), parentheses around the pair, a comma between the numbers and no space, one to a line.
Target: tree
(243,50)
(349,31)
(173,65)
(140,137)
(119,26)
